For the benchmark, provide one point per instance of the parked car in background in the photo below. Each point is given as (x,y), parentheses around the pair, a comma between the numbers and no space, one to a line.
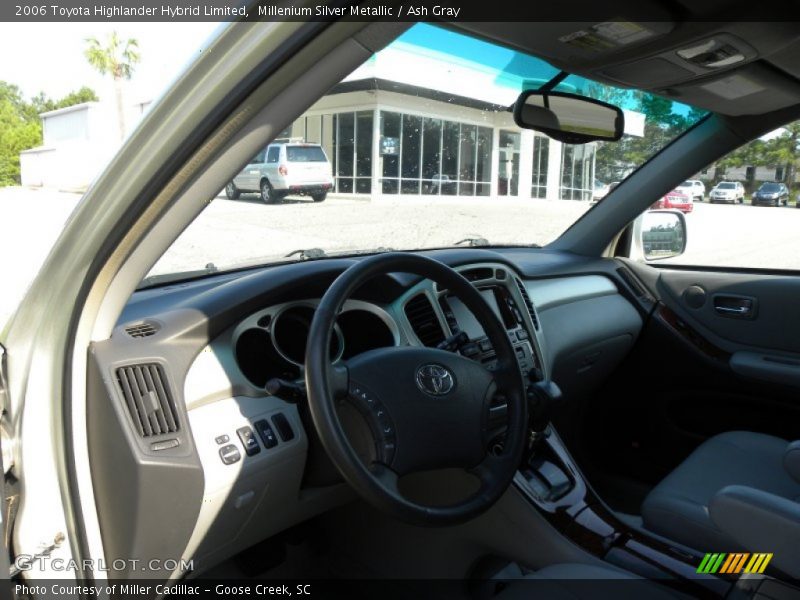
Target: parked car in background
(287,166)
(439,184)
(772,194)
(727,191)
(600,190)
(694,188)
(676,199)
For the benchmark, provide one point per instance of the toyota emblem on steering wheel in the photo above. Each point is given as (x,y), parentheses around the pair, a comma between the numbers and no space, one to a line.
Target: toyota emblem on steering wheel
(435,380)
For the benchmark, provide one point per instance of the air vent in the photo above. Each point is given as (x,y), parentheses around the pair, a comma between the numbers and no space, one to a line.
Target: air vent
(478,274)
(422,316)
(528,304)
(141,330)
(149,401)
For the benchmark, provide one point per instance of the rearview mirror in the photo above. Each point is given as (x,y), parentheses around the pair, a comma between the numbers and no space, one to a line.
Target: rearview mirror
(569,118)
(661,234)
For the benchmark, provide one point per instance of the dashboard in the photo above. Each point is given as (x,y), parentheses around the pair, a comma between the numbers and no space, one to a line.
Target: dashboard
(178,393)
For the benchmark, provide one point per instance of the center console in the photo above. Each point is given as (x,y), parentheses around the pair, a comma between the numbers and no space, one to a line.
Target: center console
(507,296)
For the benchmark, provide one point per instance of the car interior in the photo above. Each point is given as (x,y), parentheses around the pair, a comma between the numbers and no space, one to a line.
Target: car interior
(516,419)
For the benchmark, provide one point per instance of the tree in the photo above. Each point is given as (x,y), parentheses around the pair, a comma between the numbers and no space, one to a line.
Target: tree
(117,59)
(784,150)
(615,160)
(780,151)
(41,103)
(21,127)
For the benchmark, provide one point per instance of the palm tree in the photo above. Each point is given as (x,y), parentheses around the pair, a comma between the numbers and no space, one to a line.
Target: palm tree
(118,59)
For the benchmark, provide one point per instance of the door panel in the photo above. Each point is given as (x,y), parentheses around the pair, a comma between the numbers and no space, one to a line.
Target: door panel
(696,372)
(773,325)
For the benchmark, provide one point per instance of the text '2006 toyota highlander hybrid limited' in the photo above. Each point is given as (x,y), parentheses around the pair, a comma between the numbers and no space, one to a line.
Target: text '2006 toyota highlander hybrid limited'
(457,368)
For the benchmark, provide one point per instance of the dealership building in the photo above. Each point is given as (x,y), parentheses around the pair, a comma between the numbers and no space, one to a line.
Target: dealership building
(419,119)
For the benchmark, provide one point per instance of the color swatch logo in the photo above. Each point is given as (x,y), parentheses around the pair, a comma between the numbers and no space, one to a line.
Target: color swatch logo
(735,563)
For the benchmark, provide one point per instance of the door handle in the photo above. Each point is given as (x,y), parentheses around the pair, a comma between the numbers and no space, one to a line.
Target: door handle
(732,310)
(743,307)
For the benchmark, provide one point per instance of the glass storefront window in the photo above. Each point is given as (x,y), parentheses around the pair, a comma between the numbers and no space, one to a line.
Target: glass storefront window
(390,151)
(425,155)
(410,147)
(508,168)
(449,158)
(363,173)
(483,166)
(351,158)
(577,171)
(541,156)
(431,155)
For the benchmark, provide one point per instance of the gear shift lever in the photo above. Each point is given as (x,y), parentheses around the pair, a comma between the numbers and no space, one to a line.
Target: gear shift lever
(543,398)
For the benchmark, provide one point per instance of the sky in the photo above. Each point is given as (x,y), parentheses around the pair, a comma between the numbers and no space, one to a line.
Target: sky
(48,57)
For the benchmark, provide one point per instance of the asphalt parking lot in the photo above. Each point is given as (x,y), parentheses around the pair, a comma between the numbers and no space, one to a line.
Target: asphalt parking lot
(230,232)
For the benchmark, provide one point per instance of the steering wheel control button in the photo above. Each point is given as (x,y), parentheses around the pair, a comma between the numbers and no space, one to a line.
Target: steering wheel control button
(229,454)
(249,440)
(364,400)
(222,439)
(282,425)
(388,452)
(266,433)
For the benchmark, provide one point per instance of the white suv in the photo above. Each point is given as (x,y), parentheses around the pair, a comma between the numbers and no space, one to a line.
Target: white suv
(282,168)
(727,191)
(693,188)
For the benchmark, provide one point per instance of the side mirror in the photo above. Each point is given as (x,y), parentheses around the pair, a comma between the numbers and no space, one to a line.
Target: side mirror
(659,234)
(569,118)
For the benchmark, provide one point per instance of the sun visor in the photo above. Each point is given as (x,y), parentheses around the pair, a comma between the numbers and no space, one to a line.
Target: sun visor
(753,89)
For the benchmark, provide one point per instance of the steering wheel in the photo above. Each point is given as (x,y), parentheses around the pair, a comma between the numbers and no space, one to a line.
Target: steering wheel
(431,406)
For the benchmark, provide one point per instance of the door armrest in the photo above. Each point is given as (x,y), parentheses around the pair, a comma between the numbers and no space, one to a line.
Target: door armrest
(791,459)
(760,522)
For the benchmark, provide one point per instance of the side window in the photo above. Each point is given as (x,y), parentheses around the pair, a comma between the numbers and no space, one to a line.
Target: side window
(749,216)
(273,154)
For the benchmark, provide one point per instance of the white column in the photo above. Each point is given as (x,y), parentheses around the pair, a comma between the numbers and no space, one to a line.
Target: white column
(554,170)
(525,163)
(495,170)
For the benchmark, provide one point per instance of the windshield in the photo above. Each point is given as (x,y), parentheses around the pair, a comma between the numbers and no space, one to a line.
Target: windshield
(686,184)
(726,186)
(770,187)
(423,152)
(305,154)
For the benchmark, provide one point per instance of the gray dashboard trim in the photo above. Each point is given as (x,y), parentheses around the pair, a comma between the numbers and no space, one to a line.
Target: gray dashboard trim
(548,293)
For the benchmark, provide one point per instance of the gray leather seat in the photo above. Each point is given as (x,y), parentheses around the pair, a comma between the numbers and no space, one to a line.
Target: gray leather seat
(583,582)
(678,507)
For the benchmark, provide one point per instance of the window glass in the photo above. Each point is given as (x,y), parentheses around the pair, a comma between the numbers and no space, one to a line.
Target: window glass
(421,132)
(541,147)
(304,154)
(410,148)
(364,144)
(748,217)
(273,154)
(345,150)
(468,147)
(431,149)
